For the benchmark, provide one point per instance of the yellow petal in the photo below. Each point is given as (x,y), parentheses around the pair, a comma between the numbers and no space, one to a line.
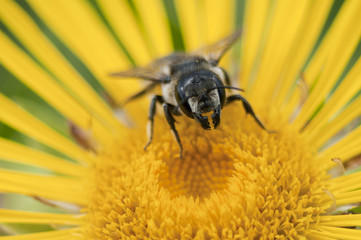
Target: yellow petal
(347,89)
(80,28)
(339,233)
(55,188)
(346,188)
(324,134)
(16,216)
(308,33)
(53,235)
(287,22)
(346,148)
(35,77)
(16,117)
(156,25)
(345,183)
(331,57)
(218,22)
(347,197)
(190,22)
(341,220)
(218,19)
(256,16)
(25,29)
(20,153)
(315,235)
(125,25)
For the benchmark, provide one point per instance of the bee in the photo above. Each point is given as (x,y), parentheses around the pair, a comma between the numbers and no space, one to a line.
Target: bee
(192,85)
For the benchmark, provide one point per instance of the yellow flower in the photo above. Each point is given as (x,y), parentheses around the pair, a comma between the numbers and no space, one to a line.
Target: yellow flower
(236,182)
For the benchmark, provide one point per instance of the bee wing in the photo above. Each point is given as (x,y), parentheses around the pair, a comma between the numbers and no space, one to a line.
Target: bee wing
(214,52)
(146,73)
(156,71)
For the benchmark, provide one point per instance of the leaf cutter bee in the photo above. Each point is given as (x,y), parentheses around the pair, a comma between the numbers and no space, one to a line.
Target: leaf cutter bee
(192,84)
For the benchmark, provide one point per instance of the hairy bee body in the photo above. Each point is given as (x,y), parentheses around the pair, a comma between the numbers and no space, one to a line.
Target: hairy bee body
(192,84)
(186,65)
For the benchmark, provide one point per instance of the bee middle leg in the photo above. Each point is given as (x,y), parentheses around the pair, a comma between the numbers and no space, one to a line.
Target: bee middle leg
(168,108)
(247,106)
(153,103)
(170,119)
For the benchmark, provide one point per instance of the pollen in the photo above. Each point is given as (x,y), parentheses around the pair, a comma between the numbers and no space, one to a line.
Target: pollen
(237,181)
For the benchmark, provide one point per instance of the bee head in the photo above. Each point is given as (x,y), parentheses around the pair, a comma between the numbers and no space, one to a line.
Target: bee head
(201,92)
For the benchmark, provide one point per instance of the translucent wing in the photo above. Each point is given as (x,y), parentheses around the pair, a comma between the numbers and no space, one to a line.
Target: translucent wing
(214,52)
(144,73)
(157,71)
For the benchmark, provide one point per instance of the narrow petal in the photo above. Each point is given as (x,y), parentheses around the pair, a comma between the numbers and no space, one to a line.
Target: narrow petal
(332,57)
(287,22)
(53,235)
(157,30)
(70,20)
(347,197)
(341,220)
(347,89)
(317,236)
(55,188)
(190,23)
(338,233)
(345,183)
(218,22)
(26,70)
(16,117)
(348,147)
(26,30)
(218,19)
(16,216)
(20,153)
(348,114)
(312,24)
(346,189)
(125,25)
(256,19)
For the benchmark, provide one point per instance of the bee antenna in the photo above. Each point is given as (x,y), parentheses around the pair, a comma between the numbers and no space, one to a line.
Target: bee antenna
(226,87)
(181,102)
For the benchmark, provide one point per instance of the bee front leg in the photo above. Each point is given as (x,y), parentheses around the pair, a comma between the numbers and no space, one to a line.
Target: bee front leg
(170,119)
(152,107)
(247,106)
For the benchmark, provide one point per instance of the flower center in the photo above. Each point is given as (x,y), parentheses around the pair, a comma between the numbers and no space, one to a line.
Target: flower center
(235,181)
(205,167)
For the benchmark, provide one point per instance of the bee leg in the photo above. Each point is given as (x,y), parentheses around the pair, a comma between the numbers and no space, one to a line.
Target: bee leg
(140,93)
(170,119)
(247,106)
(153,104)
